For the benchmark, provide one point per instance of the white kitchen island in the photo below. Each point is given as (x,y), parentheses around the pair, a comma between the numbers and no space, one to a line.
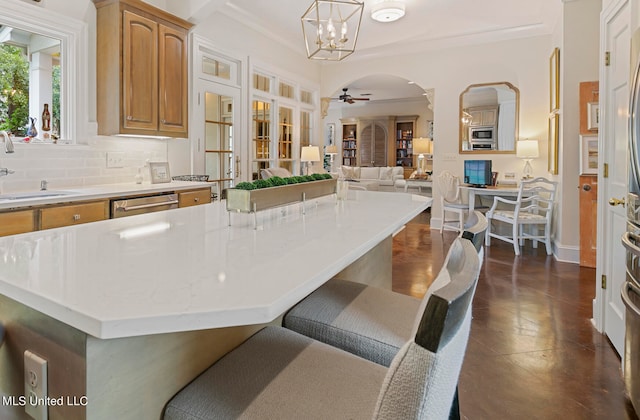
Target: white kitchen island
(127,311)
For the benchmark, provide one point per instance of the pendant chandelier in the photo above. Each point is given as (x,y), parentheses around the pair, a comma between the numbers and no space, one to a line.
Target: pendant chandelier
(330,28)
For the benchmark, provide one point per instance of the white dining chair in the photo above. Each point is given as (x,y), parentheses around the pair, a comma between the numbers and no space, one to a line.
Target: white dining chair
(529,215)
(451,202)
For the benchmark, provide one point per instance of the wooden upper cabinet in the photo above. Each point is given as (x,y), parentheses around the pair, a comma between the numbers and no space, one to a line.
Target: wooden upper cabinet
(173,81)
(142,77)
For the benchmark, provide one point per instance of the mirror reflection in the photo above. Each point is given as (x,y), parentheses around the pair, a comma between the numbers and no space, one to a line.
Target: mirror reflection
(29,83)
(489,118)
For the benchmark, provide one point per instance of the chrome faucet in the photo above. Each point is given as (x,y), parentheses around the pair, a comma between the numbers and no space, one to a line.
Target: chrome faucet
(8,144)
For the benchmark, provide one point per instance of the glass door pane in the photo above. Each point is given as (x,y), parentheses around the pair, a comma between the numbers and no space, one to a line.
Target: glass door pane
(219,141)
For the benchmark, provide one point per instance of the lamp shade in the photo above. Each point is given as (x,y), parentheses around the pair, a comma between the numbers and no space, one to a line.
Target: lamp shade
(310,154)
(421,146)
(332,149)
(527,149)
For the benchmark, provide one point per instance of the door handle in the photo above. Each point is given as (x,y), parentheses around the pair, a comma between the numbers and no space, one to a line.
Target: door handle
(616,202)
(586,187)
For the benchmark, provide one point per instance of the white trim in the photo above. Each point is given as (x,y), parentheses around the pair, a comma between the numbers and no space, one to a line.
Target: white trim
(73,36)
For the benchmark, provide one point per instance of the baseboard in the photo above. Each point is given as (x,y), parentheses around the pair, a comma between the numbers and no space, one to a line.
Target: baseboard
(566,253)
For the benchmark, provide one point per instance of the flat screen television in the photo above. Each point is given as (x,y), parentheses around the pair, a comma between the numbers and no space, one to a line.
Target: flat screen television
(477,172)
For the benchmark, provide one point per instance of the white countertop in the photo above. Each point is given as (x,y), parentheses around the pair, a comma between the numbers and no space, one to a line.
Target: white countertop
(199,273)
(95,192)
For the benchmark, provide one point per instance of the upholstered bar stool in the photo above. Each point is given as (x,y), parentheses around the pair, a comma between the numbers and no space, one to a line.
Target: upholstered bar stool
(278,373)
(370,322)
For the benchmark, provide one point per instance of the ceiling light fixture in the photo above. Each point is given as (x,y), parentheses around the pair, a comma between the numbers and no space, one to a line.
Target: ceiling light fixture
(330,28)
(387,11)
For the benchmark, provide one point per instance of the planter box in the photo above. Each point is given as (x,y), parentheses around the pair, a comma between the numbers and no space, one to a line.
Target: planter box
(248,201)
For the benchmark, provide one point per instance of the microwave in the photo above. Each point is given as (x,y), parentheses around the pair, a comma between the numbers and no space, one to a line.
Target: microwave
(481,134)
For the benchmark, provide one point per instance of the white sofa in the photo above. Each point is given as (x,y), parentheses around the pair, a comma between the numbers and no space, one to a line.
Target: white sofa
(384,177)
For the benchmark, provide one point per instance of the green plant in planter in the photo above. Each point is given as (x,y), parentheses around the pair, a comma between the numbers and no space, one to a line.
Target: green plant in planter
(290,180)
(327,176)
(262,183)
(277,181)
(300,178)
(308,178)
(245,186)
(317,177)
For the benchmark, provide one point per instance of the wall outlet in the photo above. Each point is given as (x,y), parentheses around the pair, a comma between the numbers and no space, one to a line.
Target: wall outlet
(35,386)
(115,159)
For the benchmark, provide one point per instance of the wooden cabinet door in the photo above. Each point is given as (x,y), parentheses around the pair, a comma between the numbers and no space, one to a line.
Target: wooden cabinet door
(173,81)
(139,73)
(12,223)
(588,219)
(73,214)
(194,198)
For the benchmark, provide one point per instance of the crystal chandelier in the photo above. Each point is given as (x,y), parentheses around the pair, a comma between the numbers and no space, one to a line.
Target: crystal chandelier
(330,28)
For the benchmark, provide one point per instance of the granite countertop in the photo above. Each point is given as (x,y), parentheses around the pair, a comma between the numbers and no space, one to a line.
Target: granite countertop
(188,269)
(16,200)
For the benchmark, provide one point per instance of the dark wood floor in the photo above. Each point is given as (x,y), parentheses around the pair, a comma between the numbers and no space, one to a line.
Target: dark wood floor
(533,352)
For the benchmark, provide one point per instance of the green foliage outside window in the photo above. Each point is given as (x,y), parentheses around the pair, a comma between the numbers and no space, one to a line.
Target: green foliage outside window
(14,89)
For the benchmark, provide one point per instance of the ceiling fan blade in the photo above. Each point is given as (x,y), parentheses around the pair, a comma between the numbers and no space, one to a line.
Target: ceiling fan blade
(359,99)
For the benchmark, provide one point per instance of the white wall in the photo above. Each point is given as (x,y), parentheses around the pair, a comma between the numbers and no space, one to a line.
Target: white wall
(579,54)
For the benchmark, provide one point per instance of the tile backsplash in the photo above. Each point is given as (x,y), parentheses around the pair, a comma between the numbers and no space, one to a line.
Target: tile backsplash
(65,166)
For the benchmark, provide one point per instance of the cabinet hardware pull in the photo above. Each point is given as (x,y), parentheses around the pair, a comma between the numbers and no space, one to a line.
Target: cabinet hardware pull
(76,217)
(196,199)
(129,117)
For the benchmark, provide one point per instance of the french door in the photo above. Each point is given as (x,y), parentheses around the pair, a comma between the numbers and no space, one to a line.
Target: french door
(218,147)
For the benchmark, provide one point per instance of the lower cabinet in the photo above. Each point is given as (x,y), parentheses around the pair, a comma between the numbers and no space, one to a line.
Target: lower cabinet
(74,214)
(14,222)
(194,198)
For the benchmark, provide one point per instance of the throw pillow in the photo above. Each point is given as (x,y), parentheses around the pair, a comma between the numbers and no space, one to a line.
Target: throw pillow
(385,173)
(347,172)
(281,172)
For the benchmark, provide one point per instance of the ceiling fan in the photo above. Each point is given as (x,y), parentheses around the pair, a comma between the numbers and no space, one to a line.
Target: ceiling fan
(345,97)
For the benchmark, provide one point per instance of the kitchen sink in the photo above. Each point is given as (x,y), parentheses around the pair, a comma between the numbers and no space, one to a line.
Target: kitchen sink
(33,194)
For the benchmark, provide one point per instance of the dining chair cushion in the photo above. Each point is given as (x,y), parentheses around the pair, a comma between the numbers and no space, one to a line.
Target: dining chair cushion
(367,321)
(332,314)
(278,373)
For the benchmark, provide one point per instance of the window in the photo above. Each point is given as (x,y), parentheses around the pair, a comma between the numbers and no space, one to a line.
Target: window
(261,111)
(216,68)
(29,82)
(306,97)
(286,90)
(305,128)
(261,82)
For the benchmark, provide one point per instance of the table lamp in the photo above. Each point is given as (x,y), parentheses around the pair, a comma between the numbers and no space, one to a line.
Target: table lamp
(421,146)
(310,154)
(527,150)
(332,151)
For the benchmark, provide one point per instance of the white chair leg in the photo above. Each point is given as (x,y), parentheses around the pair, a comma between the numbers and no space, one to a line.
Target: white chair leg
(443,221)
(516,240)
(487,235)
(547,239)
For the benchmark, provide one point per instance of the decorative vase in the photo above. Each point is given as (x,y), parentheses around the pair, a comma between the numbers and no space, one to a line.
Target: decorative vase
(32,132)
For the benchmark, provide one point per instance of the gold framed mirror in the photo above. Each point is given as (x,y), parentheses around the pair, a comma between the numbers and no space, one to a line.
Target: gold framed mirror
(489,116)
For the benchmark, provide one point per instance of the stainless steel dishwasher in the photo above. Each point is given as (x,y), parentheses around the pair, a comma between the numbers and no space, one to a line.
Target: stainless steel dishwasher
(141,205)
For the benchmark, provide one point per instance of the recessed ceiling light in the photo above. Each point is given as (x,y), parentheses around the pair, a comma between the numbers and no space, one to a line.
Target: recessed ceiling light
(387,11)
(412,83)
